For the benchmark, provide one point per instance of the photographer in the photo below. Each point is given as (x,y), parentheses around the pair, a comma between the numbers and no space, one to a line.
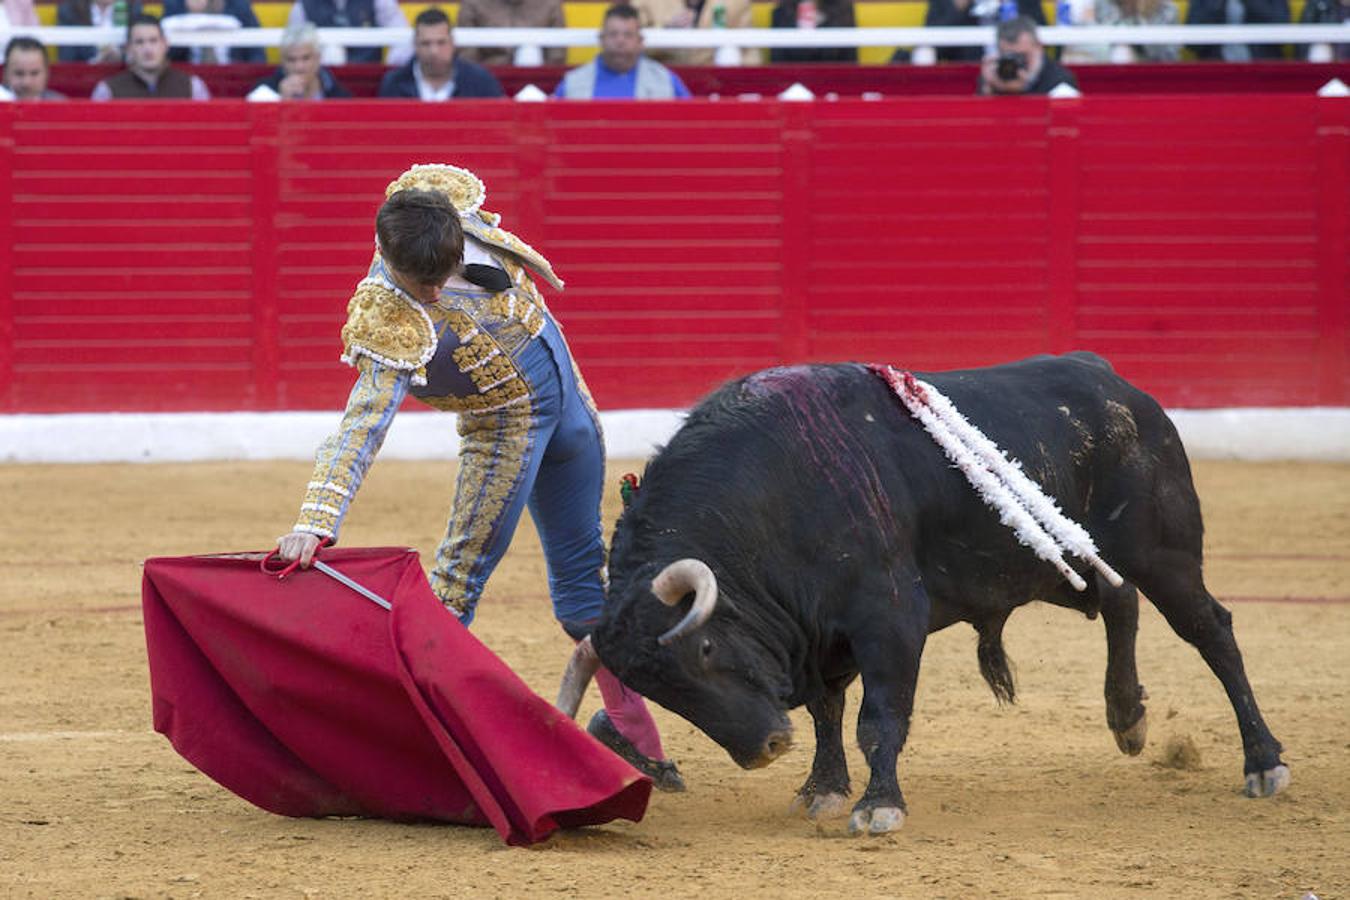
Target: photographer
(1021,66)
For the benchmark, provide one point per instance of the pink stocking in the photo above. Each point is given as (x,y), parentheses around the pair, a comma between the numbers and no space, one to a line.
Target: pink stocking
(629,714)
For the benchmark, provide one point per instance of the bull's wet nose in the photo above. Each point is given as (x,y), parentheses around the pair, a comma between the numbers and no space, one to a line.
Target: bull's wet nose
(777,744)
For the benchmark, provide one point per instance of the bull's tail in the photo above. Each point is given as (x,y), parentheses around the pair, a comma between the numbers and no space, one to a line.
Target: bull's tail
(994,664)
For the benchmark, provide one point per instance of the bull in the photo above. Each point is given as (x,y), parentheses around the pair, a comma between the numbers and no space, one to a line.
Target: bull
(802,529)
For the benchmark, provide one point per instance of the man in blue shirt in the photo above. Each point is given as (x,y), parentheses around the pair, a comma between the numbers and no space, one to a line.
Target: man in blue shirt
(621,71)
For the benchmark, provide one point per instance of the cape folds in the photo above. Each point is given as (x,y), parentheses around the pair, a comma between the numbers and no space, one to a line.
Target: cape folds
(307,699)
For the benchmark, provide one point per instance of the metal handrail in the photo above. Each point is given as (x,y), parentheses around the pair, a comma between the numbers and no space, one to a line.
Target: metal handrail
(668,38)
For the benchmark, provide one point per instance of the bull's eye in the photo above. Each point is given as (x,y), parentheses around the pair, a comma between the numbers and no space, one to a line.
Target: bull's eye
(705,649)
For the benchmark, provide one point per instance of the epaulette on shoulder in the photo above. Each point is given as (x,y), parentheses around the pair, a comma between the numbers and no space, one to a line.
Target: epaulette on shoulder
(388,327)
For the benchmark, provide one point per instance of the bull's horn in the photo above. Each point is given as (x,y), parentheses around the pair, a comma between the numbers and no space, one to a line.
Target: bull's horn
(678,579)
(580,670)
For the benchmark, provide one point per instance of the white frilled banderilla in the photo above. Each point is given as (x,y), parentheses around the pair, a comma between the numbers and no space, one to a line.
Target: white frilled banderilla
(1037,520)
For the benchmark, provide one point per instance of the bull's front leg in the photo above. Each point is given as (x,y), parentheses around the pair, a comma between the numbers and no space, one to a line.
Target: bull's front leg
(888,654)
(826,789)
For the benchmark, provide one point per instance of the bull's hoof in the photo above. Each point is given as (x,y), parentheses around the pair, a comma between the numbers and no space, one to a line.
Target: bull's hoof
(819,806)
(1267,783)
(1131,741)
(880,820)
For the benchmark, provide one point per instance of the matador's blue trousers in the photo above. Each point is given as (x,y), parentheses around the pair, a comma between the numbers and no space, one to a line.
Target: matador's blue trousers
(547,453)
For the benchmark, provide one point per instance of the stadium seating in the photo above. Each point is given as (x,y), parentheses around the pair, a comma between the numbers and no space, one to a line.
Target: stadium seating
(585,14)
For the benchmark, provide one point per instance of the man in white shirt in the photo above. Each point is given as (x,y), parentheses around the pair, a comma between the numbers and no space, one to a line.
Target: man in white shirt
(435,73)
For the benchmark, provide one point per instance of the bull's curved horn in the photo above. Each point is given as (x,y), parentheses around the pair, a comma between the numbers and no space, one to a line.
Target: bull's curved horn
(581,668)
(678,579)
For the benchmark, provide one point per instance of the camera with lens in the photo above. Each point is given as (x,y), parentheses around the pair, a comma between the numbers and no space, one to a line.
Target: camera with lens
(1010,65)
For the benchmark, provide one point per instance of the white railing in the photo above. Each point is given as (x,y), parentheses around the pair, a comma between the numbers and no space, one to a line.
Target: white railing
(528,41)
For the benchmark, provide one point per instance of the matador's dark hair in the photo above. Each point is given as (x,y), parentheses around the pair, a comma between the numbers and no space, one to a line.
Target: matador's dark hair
(420,235)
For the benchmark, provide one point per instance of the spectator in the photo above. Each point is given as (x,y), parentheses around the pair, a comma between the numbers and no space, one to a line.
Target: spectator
(26,70)
(353,14)
(92,13)
(148,74)
(813,14)
(1021,66)
(1124,12)
(19,14)
(971,13)
(510,14)
(301,75)
(1238,12)
(211,15)
(621,71)
(1325,12)
(695,14)
(434,73)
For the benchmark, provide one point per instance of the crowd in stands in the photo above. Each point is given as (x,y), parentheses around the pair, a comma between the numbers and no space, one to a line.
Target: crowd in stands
(431,69)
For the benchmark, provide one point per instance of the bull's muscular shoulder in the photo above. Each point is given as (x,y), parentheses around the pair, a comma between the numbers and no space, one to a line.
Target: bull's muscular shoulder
(389,328)
(1089,358)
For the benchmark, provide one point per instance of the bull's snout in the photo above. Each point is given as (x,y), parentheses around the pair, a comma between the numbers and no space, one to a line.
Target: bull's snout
(775,745)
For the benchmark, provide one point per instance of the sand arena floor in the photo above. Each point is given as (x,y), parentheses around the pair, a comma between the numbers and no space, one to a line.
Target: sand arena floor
(1031,800)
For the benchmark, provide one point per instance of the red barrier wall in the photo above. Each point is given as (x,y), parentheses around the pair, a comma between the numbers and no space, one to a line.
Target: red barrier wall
(181,256)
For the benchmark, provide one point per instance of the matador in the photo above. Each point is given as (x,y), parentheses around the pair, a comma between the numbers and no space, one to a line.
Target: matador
(485,346)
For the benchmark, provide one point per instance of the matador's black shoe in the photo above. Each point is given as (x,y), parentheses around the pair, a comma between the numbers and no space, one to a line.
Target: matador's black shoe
(663,773)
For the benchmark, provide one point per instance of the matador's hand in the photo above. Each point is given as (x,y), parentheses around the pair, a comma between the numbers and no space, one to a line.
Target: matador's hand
(298,545)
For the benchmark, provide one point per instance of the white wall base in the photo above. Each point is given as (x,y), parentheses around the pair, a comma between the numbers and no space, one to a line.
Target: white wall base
(1315,433)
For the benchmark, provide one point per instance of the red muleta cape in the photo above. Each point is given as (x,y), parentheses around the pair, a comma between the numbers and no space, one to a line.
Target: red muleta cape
(307,699)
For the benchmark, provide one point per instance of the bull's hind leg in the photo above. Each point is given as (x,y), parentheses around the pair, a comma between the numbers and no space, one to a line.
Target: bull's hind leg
(1125,713)
(1173,583)
(826,790)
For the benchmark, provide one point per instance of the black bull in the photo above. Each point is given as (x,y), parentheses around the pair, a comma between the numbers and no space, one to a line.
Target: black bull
(839,535)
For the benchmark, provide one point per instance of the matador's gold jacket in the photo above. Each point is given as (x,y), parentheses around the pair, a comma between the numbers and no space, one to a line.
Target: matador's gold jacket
(457,354)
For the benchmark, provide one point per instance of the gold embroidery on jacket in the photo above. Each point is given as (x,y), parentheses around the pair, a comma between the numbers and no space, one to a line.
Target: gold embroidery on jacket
(492,370)
(344,457)
(387,327)
(491,458)
(466,193)
(463,188)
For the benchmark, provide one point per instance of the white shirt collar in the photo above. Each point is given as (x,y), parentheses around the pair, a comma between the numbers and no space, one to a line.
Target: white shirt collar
(426,91)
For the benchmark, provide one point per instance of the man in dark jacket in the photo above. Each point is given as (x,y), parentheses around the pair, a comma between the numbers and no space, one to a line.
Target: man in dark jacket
(240,10)
(1245,12)
(971,13)
(813,14)
(301,76)
(434,73)
(92,12)
(354,14)
(1021,66)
